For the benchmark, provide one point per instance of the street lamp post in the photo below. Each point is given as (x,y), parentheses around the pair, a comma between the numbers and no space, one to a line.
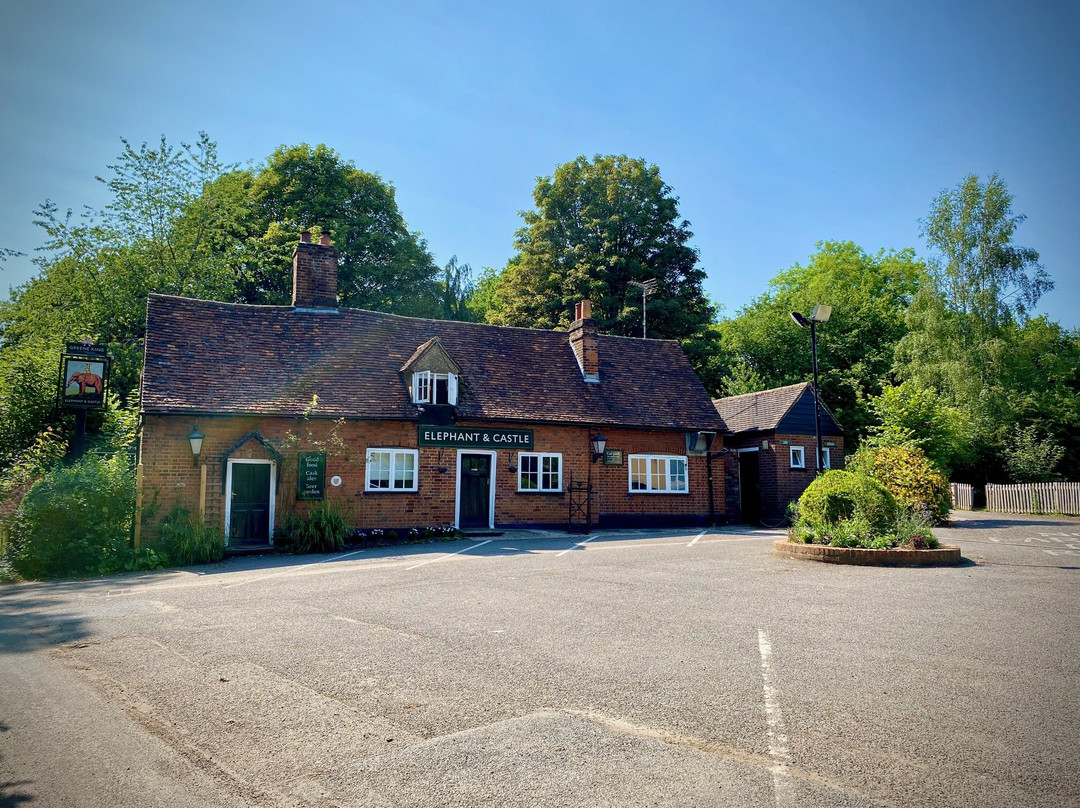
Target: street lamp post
(820,314)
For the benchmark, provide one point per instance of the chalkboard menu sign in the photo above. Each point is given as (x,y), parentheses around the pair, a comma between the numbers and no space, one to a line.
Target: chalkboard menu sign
(311,482)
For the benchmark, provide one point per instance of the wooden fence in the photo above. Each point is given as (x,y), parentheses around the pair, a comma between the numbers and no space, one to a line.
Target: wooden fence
(1034,498)
(963,496)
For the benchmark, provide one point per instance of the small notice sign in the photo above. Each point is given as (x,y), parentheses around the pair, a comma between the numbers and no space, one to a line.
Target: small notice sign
(613,457)
(311,482)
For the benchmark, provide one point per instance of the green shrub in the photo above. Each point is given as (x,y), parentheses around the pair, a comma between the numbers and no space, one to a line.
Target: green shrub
(184,540)
(915,482)
(905,531)
(840,496)
(324,530)
(914,531)
(76,520)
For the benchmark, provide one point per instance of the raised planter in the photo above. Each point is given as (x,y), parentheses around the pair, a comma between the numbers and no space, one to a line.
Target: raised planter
(943,556)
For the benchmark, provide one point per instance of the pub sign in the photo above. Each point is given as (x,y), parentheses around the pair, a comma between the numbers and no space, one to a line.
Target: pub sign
(467,437)
(84,376)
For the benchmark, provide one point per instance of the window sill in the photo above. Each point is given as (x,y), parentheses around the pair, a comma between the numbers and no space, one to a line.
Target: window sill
(552,493)
(391,490)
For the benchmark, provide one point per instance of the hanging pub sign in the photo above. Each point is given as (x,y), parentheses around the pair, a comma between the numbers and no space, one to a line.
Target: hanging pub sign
(84,376)
(462,437)
(311,480)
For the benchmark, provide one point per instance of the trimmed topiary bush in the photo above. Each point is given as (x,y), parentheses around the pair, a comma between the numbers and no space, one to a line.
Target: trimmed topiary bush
(915,482)
(842,496)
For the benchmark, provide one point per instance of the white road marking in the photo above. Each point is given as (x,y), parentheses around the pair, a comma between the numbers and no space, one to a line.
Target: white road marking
(579,544)
(698,536)
(292,569)
(448,555)
(778,750)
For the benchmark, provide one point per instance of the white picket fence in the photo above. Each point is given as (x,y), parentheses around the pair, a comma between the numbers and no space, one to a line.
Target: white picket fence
(1034,498)
(963,496)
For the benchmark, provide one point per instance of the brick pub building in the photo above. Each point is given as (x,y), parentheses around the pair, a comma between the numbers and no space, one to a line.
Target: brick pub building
(773,434)
(408,422)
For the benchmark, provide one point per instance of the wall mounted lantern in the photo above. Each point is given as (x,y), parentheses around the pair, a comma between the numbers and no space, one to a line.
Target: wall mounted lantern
(196,439)
(598,443)
(511,463)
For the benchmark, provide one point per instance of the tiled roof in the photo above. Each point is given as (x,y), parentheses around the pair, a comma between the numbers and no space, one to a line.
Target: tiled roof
(207,357)
(759,411)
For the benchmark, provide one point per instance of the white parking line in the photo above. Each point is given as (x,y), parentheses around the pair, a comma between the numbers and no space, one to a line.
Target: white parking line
(778,751)
(698,536)
(448,555)
(579,544)
(292,569)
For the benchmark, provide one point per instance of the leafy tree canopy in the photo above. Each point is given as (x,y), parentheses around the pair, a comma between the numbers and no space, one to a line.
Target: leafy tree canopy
(598,225)
(916,418)
(384,266)
(762,348)
(970,336)
(979,271)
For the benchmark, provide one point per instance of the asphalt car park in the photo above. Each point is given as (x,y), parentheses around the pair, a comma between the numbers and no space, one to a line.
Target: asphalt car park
(619,668)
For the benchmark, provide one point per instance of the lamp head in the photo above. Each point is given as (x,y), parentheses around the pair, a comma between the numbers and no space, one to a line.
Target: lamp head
(800,321)
(598,443)
(821,313)
(196,441)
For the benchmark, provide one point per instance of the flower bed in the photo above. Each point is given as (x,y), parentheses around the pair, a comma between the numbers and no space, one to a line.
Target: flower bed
(942,556)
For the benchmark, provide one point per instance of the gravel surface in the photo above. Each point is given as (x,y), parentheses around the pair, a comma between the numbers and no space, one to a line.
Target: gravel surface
(637,668)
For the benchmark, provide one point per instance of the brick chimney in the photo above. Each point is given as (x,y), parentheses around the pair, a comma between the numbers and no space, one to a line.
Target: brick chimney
(583,341)
(315,269)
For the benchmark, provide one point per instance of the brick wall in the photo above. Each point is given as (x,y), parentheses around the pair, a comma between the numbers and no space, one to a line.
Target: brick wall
(170,477)
(780,483)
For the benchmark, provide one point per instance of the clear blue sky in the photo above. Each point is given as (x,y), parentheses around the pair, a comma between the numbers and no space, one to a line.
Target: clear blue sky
(777,124)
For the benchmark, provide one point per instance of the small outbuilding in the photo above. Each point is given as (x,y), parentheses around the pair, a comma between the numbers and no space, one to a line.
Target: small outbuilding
(250,413)
(773,433)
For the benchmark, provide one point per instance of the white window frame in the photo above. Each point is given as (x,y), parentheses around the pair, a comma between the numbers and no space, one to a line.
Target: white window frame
(540,457)
(395,454)
(800,452)
(826,457)
(421,385)
(653,471)
(424,385)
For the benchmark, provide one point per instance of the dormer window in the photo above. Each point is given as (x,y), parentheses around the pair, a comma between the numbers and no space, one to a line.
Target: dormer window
(430,387)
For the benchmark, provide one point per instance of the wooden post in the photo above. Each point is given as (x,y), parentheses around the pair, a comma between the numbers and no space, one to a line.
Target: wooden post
(138,504)
(202,494)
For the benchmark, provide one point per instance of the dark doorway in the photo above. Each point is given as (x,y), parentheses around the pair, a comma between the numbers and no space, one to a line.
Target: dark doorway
(249,514)
(474,487)
(750,487)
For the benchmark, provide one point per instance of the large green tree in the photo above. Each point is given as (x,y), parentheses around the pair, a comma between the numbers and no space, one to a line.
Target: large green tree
(598,226)
(761,347)
(971,340)
(384,266)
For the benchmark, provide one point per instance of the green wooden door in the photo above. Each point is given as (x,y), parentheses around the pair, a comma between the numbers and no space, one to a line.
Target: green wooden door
(249,516)
(475,490)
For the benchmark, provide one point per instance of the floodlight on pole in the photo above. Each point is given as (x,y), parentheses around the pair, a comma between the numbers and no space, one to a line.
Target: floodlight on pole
(647,288)
(820,314)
